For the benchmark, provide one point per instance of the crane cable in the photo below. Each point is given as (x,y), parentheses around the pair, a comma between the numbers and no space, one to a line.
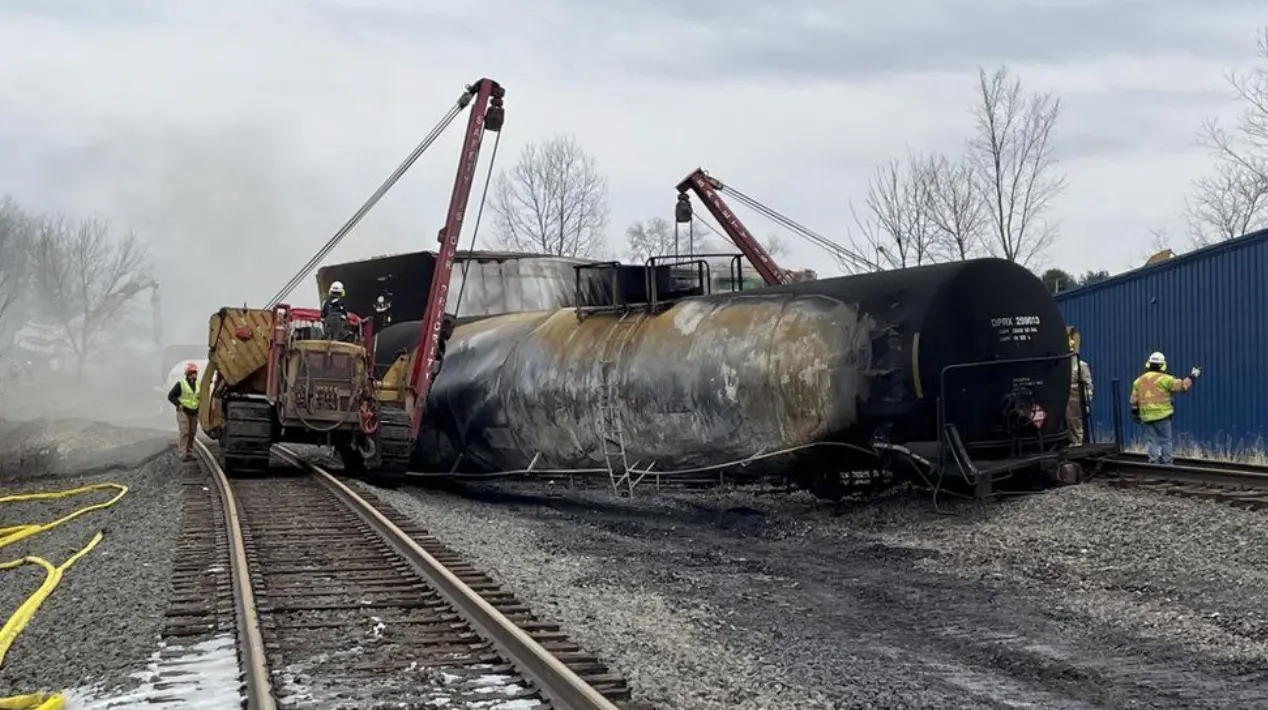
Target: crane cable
(823,242)
(369,204)
(475,228)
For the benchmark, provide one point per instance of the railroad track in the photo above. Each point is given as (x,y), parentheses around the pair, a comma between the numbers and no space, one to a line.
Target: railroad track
(338,601)
(1241,485)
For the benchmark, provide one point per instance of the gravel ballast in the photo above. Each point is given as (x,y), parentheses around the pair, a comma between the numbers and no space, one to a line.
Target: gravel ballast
(1182,570)
(101,623)
(730,599)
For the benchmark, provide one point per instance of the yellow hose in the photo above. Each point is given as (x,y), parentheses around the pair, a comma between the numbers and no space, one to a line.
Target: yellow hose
(52,576)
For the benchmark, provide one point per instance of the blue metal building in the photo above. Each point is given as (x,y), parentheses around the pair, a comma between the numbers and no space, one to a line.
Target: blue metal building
(1205,308)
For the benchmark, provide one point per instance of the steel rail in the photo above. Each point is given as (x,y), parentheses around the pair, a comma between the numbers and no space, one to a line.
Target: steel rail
(555,681)
(259,692)
(1193,463)
(1216,473)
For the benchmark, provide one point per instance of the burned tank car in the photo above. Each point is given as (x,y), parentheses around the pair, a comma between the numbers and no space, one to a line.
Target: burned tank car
(718,378)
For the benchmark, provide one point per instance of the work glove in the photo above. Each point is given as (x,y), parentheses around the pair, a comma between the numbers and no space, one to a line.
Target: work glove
(1135,414)
(1195,372)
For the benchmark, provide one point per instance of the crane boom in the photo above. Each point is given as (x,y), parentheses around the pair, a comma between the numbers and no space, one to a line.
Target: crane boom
(487,113)
(706,188)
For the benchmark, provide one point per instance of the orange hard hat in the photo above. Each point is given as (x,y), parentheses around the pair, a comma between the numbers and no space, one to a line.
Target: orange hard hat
(191,368)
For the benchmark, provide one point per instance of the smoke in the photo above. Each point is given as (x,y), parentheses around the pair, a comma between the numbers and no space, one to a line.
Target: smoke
(229,212)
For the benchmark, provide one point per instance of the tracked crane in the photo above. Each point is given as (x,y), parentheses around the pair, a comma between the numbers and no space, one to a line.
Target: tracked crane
(283,374)
(708,189)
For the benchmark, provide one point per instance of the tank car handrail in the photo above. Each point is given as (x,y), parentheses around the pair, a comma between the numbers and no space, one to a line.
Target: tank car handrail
(942,409)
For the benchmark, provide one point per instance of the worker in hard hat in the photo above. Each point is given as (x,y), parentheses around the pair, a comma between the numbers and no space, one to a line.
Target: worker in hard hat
(1151,405)
(1079,402)
(334,301)
(184,396)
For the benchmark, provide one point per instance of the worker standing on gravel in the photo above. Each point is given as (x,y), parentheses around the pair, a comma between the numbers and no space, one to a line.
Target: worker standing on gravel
(1151,405)
(1079,402)
(184,396)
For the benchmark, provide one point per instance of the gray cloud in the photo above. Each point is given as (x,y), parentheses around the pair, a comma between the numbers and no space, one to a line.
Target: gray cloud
(612,72)
(805,40)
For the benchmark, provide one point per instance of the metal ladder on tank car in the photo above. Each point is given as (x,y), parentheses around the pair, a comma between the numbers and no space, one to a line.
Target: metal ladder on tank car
(611,421)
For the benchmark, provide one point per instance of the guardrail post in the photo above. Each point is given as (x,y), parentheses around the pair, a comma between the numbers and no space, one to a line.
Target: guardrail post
(1116,401)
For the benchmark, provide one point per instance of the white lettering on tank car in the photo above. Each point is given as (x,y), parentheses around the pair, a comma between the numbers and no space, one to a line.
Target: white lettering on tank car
(1015,329)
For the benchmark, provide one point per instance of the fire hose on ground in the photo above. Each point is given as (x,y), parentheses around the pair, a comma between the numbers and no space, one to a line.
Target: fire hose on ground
(52,577)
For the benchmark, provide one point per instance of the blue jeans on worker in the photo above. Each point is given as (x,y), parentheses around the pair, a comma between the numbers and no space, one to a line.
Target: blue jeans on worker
(1158,441)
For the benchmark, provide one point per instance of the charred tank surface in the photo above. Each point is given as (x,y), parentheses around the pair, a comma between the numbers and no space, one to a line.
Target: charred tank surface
(719,378)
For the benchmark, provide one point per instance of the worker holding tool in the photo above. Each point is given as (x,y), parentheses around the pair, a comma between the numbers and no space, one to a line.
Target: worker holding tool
(1079,402)
(1151,405)
(184,396)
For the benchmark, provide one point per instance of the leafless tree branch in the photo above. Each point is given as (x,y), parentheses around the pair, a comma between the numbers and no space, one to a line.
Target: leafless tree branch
(554,201)
(1226,204)
(897,223)
(84,277)
(1234,199)
(1013,154)
(660,237)
(16,230)
(957,210)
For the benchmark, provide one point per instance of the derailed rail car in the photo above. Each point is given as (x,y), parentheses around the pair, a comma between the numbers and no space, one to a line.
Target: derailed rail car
(961,362)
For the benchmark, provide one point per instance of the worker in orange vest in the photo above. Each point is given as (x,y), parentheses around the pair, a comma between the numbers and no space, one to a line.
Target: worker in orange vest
(1151,405)
(184,396)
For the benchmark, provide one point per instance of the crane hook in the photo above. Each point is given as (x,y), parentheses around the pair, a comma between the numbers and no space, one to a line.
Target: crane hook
(682,210)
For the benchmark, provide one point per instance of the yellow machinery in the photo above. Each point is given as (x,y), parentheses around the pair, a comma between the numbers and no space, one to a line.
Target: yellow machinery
(284,375)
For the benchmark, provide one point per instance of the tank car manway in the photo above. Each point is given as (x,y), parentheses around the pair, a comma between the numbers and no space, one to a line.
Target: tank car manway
(358,606)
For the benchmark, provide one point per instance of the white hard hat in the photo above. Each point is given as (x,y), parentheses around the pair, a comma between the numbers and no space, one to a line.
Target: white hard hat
(336,287)
(1157,359)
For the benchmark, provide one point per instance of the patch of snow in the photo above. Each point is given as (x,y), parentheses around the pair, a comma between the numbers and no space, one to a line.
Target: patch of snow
(204,676)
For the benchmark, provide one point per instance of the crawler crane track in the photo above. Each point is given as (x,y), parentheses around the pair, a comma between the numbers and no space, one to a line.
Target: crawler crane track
(359,608)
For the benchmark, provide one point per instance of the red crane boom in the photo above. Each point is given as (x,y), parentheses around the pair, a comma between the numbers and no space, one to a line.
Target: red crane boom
(487,114)
(706,188)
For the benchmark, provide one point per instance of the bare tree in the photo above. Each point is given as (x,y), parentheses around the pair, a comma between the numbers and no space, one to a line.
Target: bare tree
(957,210)
(1013,154)
(554,201)
(774,245)
(1226,204)
(84,277)
(1234,199)
(15,248)
(1246,144)
(660,237)
(897,223)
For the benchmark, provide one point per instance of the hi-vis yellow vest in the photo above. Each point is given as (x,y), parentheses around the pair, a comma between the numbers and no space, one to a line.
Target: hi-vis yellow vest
(1153,393)
(189,395)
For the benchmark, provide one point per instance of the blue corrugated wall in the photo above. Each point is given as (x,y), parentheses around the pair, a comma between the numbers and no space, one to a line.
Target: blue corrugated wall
(1205,308)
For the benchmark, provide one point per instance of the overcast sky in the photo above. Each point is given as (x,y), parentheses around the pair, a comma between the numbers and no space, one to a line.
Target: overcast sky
(238,136)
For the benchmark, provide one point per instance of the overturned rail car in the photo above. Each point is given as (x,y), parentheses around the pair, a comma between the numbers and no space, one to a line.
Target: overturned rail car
(966,361)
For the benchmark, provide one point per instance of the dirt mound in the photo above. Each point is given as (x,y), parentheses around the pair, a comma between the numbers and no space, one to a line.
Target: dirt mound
(42,448)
